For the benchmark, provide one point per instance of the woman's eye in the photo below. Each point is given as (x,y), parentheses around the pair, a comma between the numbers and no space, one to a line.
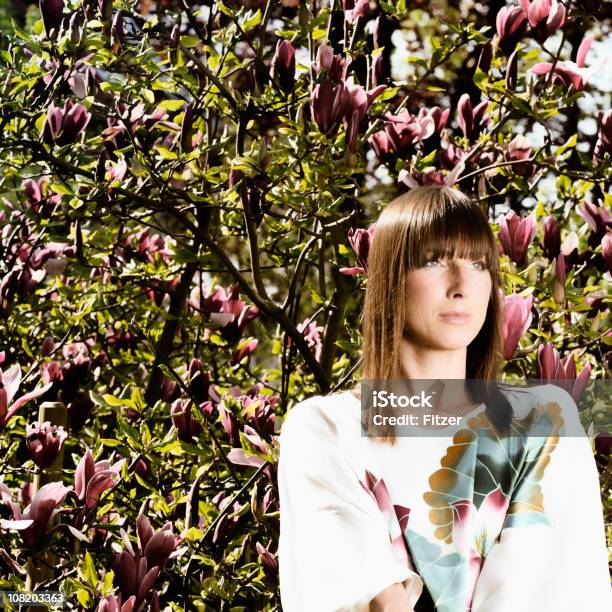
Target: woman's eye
(481,265)
(432,262)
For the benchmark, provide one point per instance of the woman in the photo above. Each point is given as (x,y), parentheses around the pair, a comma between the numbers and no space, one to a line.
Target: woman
(477,518)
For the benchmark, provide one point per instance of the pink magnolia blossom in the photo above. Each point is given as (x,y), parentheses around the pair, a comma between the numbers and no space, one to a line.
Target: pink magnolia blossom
(336,66)
(34,520)
(199,380)
(361,241)
(517,319)
(404,129)
(358,100)
(51,12)
(470,118)
(148,245)
(354,9)
(606,250)
(259,412)
(380,70)
(544,16)
(604,137)
(115,171)
(328,102)
(511,24)
(518,149)
(239,457)
(412,178)
(283,65)
(225,309)
(137,568)
(43,442)
(112,603)
(64,125)
(226,526)
(551,240)
(92,478)
(182,419)
(230,424)
(598,218)
(246,350)
(516,234)
(571,74)
(312,334)
(559,289)
(40,198)
(268,560)
(569,250)
(9,384)
(561,372)
(255,439)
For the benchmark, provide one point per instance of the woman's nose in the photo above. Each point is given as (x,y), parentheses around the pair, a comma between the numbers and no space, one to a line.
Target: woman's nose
(459,280)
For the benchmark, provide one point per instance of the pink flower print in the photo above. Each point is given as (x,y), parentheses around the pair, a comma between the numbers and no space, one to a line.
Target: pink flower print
(475,530)
(395,515)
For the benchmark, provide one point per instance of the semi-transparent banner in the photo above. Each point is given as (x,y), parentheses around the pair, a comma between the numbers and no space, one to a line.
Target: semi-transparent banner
(532,407)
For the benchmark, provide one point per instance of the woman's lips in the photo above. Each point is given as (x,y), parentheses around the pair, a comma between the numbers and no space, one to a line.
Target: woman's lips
(455,318)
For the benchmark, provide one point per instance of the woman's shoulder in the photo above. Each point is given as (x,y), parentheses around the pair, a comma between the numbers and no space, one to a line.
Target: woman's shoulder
(548,399)
(319,415)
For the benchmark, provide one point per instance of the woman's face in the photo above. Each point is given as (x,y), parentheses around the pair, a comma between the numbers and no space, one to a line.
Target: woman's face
(447,302)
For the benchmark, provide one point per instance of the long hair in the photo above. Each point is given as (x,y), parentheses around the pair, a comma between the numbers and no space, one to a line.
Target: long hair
(444,222)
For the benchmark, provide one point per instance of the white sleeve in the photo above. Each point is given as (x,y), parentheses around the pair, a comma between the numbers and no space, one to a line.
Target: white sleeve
(335,551)
(561,566)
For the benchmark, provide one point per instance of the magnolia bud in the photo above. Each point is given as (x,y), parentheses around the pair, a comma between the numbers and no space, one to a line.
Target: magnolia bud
(559,290)
(511,71)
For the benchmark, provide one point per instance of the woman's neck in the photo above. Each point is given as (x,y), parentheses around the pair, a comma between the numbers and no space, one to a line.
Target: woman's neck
(424,363)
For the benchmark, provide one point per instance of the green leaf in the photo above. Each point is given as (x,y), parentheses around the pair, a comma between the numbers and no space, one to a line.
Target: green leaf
(111,400)
(87,570)
(107,584)
(481,79)
(83,597)
(252,21)
(388,7)
(316,297)
(165,153)
(61,188)
(171,105)
(570,144)
(110,442)
(190,41)
(193,534)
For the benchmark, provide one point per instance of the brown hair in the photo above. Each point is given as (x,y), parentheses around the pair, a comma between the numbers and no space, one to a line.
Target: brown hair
(429,221)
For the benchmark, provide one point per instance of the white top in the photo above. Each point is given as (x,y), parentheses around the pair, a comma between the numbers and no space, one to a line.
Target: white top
(477,523)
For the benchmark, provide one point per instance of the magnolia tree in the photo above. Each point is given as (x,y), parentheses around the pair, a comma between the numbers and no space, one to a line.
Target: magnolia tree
(187,198)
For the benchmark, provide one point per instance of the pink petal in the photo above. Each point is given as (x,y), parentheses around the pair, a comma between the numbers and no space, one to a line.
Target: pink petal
(463,514)
(239,457)
(26,398)
(11,379)
(583,49)
(352,271)
(492,512)
(541,68)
